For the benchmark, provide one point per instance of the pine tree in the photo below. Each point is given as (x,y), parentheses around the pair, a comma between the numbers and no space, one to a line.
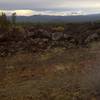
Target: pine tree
(4,22)
(14,18)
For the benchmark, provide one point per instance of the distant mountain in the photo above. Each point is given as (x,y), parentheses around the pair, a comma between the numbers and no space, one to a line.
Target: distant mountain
(46,18)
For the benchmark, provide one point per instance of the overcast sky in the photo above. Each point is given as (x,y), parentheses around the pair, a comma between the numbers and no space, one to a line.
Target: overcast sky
(48,4)
(50,7)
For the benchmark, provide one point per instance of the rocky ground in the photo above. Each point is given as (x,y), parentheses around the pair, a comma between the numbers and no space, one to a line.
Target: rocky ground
(54,63)
(41,38)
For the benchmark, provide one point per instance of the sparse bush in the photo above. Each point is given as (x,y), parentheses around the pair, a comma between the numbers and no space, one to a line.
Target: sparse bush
(59,29)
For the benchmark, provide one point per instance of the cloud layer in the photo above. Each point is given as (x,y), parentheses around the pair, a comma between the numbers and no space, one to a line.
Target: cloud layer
(69,12)
(18,12)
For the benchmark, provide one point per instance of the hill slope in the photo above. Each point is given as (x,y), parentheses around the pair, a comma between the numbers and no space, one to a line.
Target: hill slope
(44,18)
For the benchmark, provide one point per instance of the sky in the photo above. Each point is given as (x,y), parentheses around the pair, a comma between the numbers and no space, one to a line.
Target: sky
(50,6)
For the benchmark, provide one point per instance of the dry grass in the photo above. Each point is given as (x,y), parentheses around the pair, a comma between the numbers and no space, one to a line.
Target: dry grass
(57,74)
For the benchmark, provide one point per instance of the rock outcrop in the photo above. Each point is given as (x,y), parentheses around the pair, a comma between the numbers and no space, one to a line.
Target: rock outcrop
(40,39)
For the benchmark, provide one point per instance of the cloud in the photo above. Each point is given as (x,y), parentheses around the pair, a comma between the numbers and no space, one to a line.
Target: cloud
(47,12)
(69,12)
(18,12)
(48,4)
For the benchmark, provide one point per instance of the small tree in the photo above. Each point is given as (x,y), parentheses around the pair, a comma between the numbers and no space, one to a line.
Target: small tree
(4,22)
(14,18)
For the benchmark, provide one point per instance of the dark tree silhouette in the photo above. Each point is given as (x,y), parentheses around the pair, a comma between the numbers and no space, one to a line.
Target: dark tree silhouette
(14,18)
(4,22)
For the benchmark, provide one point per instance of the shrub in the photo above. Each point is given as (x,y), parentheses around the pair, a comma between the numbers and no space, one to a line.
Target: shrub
(59,29)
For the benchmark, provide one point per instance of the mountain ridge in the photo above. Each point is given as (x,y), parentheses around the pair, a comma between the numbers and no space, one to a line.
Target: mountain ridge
(47,18)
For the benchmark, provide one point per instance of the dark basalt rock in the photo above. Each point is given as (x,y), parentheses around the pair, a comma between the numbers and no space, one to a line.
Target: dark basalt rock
(35,39)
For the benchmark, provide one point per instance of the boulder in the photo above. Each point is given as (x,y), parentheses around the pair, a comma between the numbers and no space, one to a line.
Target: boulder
(91,37)
(57,36)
